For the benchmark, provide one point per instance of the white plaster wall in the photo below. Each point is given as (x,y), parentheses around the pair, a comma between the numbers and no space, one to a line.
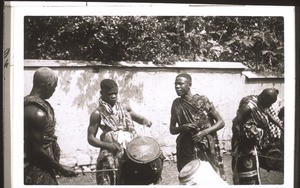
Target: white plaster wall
(149,92)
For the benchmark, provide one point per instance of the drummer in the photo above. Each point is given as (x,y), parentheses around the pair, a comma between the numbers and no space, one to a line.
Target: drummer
(117,127)
(196,121)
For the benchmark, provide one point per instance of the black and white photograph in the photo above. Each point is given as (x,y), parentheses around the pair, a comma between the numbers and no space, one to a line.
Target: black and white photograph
(149,94)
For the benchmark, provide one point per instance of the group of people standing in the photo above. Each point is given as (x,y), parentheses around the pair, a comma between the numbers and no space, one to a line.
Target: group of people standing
(193,118)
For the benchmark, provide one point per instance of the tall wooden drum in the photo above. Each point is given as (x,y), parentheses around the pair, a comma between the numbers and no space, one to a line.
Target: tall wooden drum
(144,162)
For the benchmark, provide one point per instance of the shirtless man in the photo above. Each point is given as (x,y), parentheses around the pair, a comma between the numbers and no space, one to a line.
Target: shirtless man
(41,150)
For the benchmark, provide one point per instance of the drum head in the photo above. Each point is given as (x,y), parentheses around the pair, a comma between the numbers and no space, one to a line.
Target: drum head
(189,170)
(143,150)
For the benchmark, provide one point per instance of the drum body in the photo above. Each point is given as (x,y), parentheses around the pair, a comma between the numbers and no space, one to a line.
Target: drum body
(272,156)
(272,159)
(199,172)
(144,162)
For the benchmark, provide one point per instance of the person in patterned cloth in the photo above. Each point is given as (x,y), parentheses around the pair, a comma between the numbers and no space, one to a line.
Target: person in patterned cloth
(275,130)
(196,121)
(41,151)
(116,124)
(252,130)
(271,150)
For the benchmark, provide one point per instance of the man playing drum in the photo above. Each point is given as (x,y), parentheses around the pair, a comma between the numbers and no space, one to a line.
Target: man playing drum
(252,130)
(117,127)
(196,121)
(41,150)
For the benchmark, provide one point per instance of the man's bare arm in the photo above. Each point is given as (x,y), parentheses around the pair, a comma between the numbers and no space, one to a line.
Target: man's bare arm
(35,120)
(218,124)
(92,132)
(137,117)
(187,127)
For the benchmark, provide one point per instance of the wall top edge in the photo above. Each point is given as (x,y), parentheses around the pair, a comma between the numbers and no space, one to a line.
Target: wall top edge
(252,76)
(76,63)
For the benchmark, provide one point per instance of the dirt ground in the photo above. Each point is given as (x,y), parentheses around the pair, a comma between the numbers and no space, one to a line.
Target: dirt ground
(169,175)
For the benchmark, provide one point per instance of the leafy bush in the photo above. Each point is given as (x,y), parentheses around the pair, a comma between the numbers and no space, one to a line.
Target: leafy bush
(257,42)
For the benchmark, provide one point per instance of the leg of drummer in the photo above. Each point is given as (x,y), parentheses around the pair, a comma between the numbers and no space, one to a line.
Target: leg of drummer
(107,161)
(102,178)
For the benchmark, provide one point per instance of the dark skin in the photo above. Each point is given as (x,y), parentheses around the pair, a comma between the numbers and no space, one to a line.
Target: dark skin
(182,87)
(35,120)
(245,112)
(138,118)
(110,97)
(266,99)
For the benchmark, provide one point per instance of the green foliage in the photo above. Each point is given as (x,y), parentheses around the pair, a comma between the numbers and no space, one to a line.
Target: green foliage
(257,42)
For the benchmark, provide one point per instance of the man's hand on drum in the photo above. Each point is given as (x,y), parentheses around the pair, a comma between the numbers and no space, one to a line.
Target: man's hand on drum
(188,127)
(199,136)
(113,147)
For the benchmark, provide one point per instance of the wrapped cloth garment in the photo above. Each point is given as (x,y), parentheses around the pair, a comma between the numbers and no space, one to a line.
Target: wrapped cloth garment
(246,141)
(36,172)
(118,129)
(196,112)
(274,131)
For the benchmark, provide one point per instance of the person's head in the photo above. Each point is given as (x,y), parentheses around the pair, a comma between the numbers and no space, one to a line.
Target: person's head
(109,91)
(183,84)
(267,97)
(45,81)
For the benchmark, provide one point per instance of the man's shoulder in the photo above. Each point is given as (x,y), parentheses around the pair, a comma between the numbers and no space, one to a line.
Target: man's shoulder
(244,108)
(250,99)
(202,98)
(33,101)
(176,100)
(96,111)
(32,98)
(34,105)
(96,114)
(34,113)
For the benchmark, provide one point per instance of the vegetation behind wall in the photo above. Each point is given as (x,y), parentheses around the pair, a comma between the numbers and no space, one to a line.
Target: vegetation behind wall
(257,42)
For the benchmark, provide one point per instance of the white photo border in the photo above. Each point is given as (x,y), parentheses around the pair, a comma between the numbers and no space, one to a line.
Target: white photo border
(15,78)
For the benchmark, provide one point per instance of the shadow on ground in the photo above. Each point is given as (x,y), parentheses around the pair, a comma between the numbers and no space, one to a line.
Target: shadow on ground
(169,175)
